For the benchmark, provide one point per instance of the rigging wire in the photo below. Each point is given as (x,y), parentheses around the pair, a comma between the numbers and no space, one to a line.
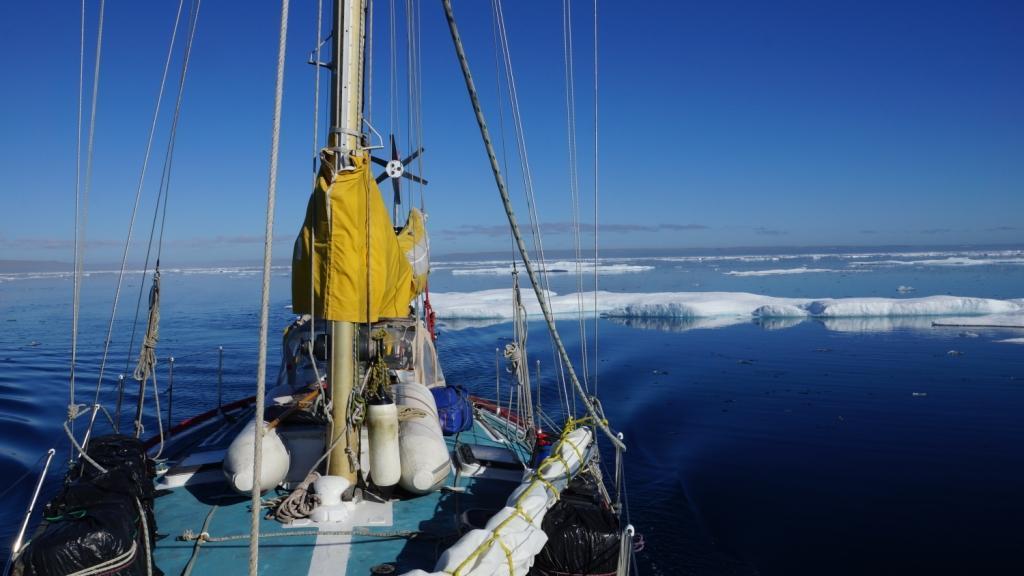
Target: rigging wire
(135,206)
(409,88)
(597,417)
(537,238)
(72,406)
(574,185)
(368,73)
(316,167)
(160,208)
(596,221)
(392,70)
(83,214)
(420,160)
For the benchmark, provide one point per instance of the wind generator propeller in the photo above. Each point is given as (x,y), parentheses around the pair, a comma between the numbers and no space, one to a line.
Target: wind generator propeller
(395,170)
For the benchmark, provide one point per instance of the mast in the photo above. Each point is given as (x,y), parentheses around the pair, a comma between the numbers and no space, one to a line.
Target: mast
(347,74)
(345,126)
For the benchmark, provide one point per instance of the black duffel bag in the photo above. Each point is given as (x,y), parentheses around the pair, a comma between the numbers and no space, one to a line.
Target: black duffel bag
(96,522)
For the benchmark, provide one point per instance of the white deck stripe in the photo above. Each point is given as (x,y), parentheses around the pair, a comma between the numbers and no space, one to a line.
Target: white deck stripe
(331,552)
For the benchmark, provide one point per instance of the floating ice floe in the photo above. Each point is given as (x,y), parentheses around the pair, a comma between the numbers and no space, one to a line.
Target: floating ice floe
(716,309)
(784,271)
(948,261)
(556,267)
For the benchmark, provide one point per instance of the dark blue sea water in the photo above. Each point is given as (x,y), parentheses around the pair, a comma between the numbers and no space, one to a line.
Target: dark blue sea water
(773,449)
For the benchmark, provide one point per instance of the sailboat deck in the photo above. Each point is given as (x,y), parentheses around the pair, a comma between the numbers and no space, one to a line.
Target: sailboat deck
(205,503)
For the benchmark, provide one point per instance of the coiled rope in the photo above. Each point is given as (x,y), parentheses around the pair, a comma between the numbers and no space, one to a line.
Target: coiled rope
(147,356)
(299,504)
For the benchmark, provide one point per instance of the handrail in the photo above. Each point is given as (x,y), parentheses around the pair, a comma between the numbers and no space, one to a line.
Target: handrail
(28,514)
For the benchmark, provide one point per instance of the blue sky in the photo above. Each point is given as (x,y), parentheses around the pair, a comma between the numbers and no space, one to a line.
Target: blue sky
(722,124)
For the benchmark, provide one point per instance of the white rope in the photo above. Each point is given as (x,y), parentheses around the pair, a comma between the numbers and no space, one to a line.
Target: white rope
(138,197)
(261,368)
(81,450)
(145,537)
(112,565)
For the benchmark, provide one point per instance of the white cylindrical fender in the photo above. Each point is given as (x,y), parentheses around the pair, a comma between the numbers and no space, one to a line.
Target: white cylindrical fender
(238,461)
(424,454)
(382,429)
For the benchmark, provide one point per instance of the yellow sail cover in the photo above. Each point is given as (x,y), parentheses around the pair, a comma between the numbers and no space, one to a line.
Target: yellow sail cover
(347,256)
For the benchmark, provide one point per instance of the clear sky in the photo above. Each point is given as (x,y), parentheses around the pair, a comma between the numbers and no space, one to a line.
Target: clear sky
(722,124)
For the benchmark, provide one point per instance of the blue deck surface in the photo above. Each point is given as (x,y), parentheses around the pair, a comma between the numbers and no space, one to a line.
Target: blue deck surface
(434,516)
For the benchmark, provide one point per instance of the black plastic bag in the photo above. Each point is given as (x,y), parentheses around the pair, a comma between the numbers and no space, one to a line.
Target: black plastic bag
(583,534)
(96,519)
(87,526)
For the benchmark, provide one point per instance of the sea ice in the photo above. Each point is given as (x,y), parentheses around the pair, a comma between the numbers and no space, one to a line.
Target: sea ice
(556,267)
(496,304)
(782,271)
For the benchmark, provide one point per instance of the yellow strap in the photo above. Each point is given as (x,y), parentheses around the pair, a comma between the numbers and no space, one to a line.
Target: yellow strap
(508,557)
(538,479)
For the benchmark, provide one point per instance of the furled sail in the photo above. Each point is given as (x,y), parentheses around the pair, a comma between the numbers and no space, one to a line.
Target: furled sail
(346,234)
(416,246)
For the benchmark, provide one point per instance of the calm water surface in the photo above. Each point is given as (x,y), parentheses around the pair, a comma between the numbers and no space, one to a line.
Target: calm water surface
(802,450)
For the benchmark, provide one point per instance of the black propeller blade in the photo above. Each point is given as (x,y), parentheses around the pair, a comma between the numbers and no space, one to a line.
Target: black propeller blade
(395,169)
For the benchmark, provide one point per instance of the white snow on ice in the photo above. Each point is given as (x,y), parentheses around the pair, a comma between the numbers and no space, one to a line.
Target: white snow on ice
(678,311)
(783,271)
(496,304)
(948,261)
(556,267)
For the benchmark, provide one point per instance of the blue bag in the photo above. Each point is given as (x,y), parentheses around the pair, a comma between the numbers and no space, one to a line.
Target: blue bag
(453,409)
